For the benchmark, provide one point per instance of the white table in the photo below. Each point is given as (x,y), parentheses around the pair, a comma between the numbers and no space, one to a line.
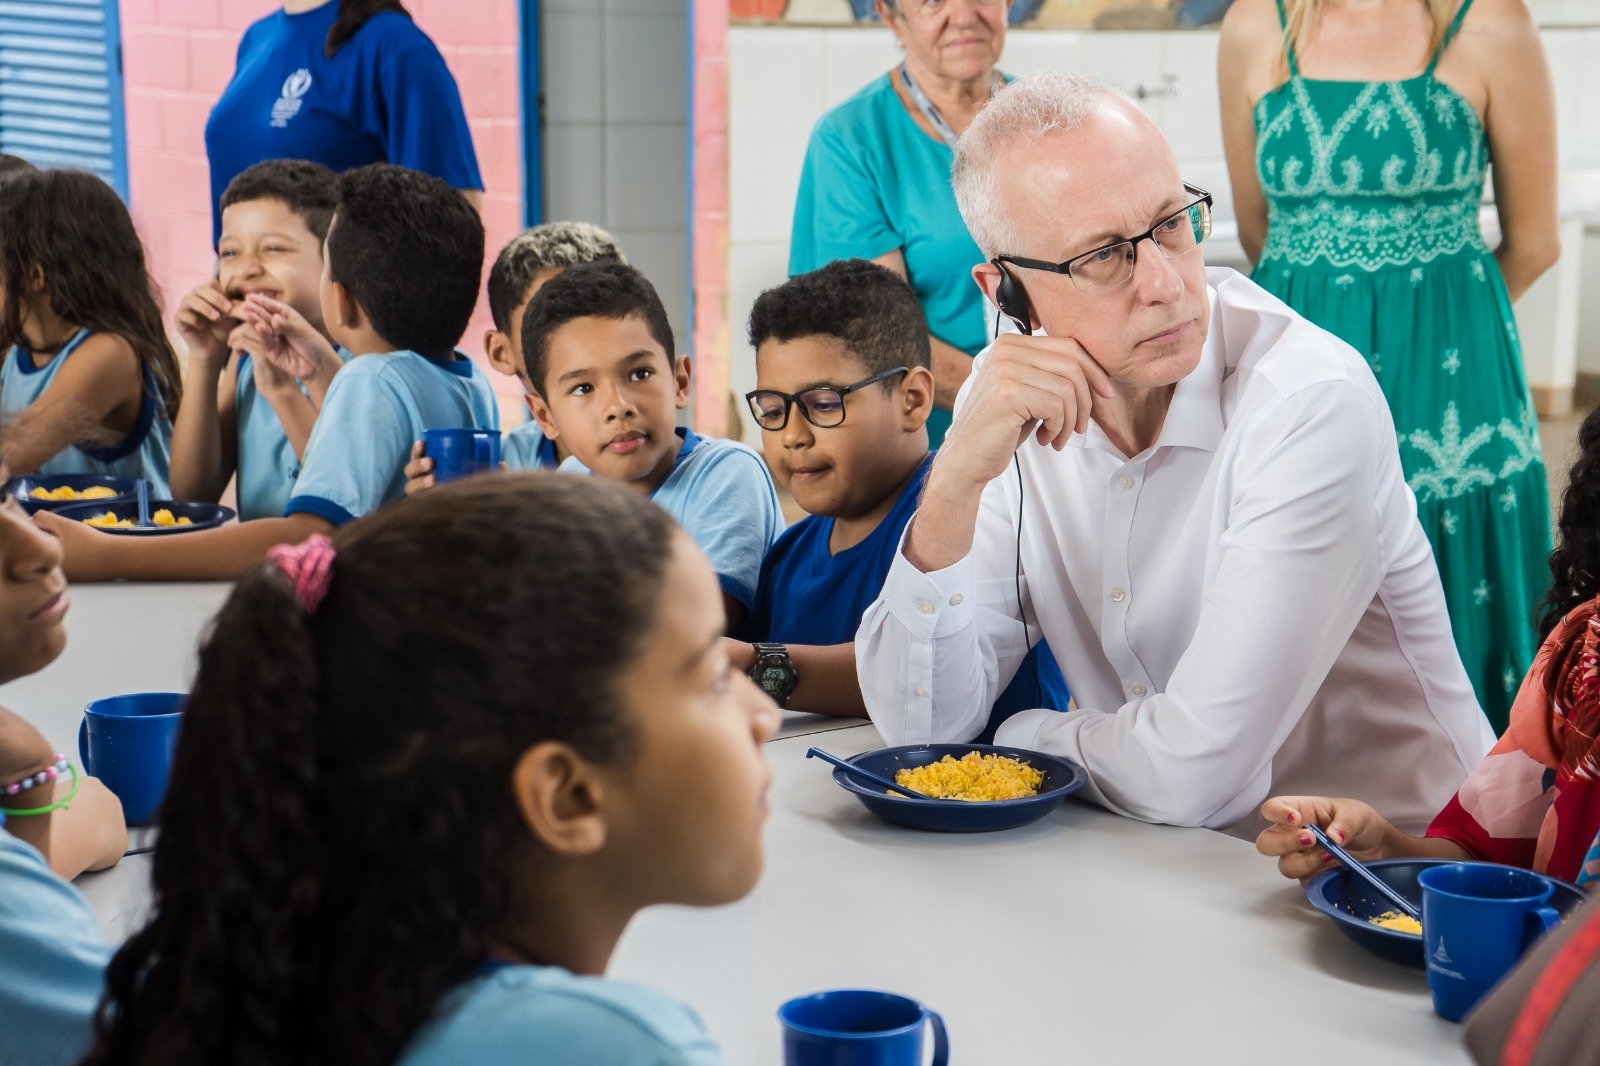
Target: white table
(1084,938)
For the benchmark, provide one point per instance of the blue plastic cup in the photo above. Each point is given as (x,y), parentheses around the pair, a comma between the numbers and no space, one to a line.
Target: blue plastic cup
(1478,919)
(459,453)
(127,742)
(859,1027)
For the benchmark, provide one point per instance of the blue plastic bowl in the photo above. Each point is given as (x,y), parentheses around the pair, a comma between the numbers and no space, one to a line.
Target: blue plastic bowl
(1349,901)
(1062,777)
(126,489)
(201,515)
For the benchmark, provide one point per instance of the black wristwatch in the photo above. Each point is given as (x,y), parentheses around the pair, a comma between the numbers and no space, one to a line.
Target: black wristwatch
(774,671)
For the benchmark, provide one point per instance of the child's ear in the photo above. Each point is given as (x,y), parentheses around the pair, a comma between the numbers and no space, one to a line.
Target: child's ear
(561,800)
(497,346)
(35,279)
(540,410)
(347,313)
(915,399)
(680,374)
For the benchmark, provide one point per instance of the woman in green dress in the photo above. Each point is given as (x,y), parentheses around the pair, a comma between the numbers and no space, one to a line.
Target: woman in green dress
(1358,138)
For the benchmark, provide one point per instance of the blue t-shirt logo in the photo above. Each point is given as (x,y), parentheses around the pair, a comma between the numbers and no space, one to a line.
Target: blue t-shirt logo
(287,106)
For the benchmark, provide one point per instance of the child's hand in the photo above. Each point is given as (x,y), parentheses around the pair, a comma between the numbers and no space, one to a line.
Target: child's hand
(1351,824)
(87,553)
(419,471)
(268,376)
(289,342)
(205,318)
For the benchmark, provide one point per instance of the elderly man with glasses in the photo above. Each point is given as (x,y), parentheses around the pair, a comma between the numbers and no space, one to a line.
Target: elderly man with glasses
(1194,494)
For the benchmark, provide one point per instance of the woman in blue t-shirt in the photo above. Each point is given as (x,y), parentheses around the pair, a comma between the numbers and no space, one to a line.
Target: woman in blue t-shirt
(343,83)
(876,179)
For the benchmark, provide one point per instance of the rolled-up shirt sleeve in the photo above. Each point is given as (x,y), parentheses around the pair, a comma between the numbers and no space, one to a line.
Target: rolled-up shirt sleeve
(1299,567)
(936,649)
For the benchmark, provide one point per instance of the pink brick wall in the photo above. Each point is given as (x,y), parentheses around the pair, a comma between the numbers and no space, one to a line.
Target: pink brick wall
(709,232)
(178,56)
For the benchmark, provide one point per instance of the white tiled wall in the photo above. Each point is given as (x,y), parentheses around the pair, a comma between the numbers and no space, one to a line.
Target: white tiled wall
(782,79)
(616,135)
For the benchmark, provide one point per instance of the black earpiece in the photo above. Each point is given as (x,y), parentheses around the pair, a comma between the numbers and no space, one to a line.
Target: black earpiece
(1012,299)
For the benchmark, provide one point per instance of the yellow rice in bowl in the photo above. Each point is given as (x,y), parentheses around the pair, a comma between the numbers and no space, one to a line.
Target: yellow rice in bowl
(162,517)
(1401,923)
(67,492)
(975,776)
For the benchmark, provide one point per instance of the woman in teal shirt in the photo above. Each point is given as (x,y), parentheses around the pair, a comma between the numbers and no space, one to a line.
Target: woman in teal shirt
(876,180)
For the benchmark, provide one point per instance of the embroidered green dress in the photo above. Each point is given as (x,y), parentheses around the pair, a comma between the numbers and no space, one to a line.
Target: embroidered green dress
(1373,191)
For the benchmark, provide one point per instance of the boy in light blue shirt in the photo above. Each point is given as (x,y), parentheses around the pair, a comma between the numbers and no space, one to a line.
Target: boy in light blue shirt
(244,416)
(400,280)
(604,380)
(528,260)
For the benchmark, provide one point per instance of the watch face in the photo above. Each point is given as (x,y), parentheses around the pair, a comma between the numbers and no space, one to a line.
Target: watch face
(774,678)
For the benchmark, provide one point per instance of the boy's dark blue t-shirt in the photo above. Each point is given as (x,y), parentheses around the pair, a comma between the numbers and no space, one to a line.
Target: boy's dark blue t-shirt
(386,96)
(809,595)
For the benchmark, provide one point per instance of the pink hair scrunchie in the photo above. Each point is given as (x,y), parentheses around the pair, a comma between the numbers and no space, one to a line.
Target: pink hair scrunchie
(309,568)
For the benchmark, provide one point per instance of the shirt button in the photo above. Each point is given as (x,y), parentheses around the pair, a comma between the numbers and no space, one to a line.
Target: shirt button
(1118,595)
(925,607)
(1125,481)
(955,601)
(1139,690)
(922,692)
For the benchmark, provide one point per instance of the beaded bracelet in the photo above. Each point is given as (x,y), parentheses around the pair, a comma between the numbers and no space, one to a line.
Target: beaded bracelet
(57,767)
(64,766)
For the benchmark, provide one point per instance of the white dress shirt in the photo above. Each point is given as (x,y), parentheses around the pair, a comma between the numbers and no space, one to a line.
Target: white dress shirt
(1247,608)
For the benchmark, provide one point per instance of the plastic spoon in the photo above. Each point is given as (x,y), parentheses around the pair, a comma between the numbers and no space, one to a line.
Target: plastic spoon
(143,489)
(1355,866)
(867,775)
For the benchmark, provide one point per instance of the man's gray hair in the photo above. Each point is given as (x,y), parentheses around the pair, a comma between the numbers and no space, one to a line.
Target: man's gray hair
(1025,110)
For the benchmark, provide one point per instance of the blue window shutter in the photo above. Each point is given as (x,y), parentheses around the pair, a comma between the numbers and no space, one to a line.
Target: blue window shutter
(61,86)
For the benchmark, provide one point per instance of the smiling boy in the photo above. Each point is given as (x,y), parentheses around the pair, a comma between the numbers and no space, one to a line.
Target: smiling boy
(241,412)
(843,395)
(604,381)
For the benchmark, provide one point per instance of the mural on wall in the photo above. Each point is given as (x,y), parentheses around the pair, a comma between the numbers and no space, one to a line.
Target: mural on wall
(1097,14)
(1091,14)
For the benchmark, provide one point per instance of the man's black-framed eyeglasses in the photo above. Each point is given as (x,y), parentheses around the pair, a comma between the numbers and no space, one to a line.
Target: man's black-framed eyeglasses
(1106,268)
(822,407)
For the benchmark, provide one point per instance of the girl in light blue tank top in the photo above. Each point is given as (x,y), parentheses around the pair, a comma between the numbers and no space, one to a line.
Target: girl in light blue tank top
(438,839)
(73,272)
(142,453)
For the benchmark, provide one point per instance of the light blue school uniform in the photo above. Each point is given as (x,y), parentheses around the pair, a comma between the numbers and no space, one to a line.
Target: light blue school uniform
(527,448)
(376,407)
(52,961)
(872,182)
(146,450)
(546,1015)
(719,491)
(267,464)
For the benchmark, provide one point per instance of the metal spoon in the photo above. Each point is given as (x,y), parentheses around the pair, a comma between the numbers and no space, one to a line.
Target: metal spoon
(868,776)
(1355,866)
